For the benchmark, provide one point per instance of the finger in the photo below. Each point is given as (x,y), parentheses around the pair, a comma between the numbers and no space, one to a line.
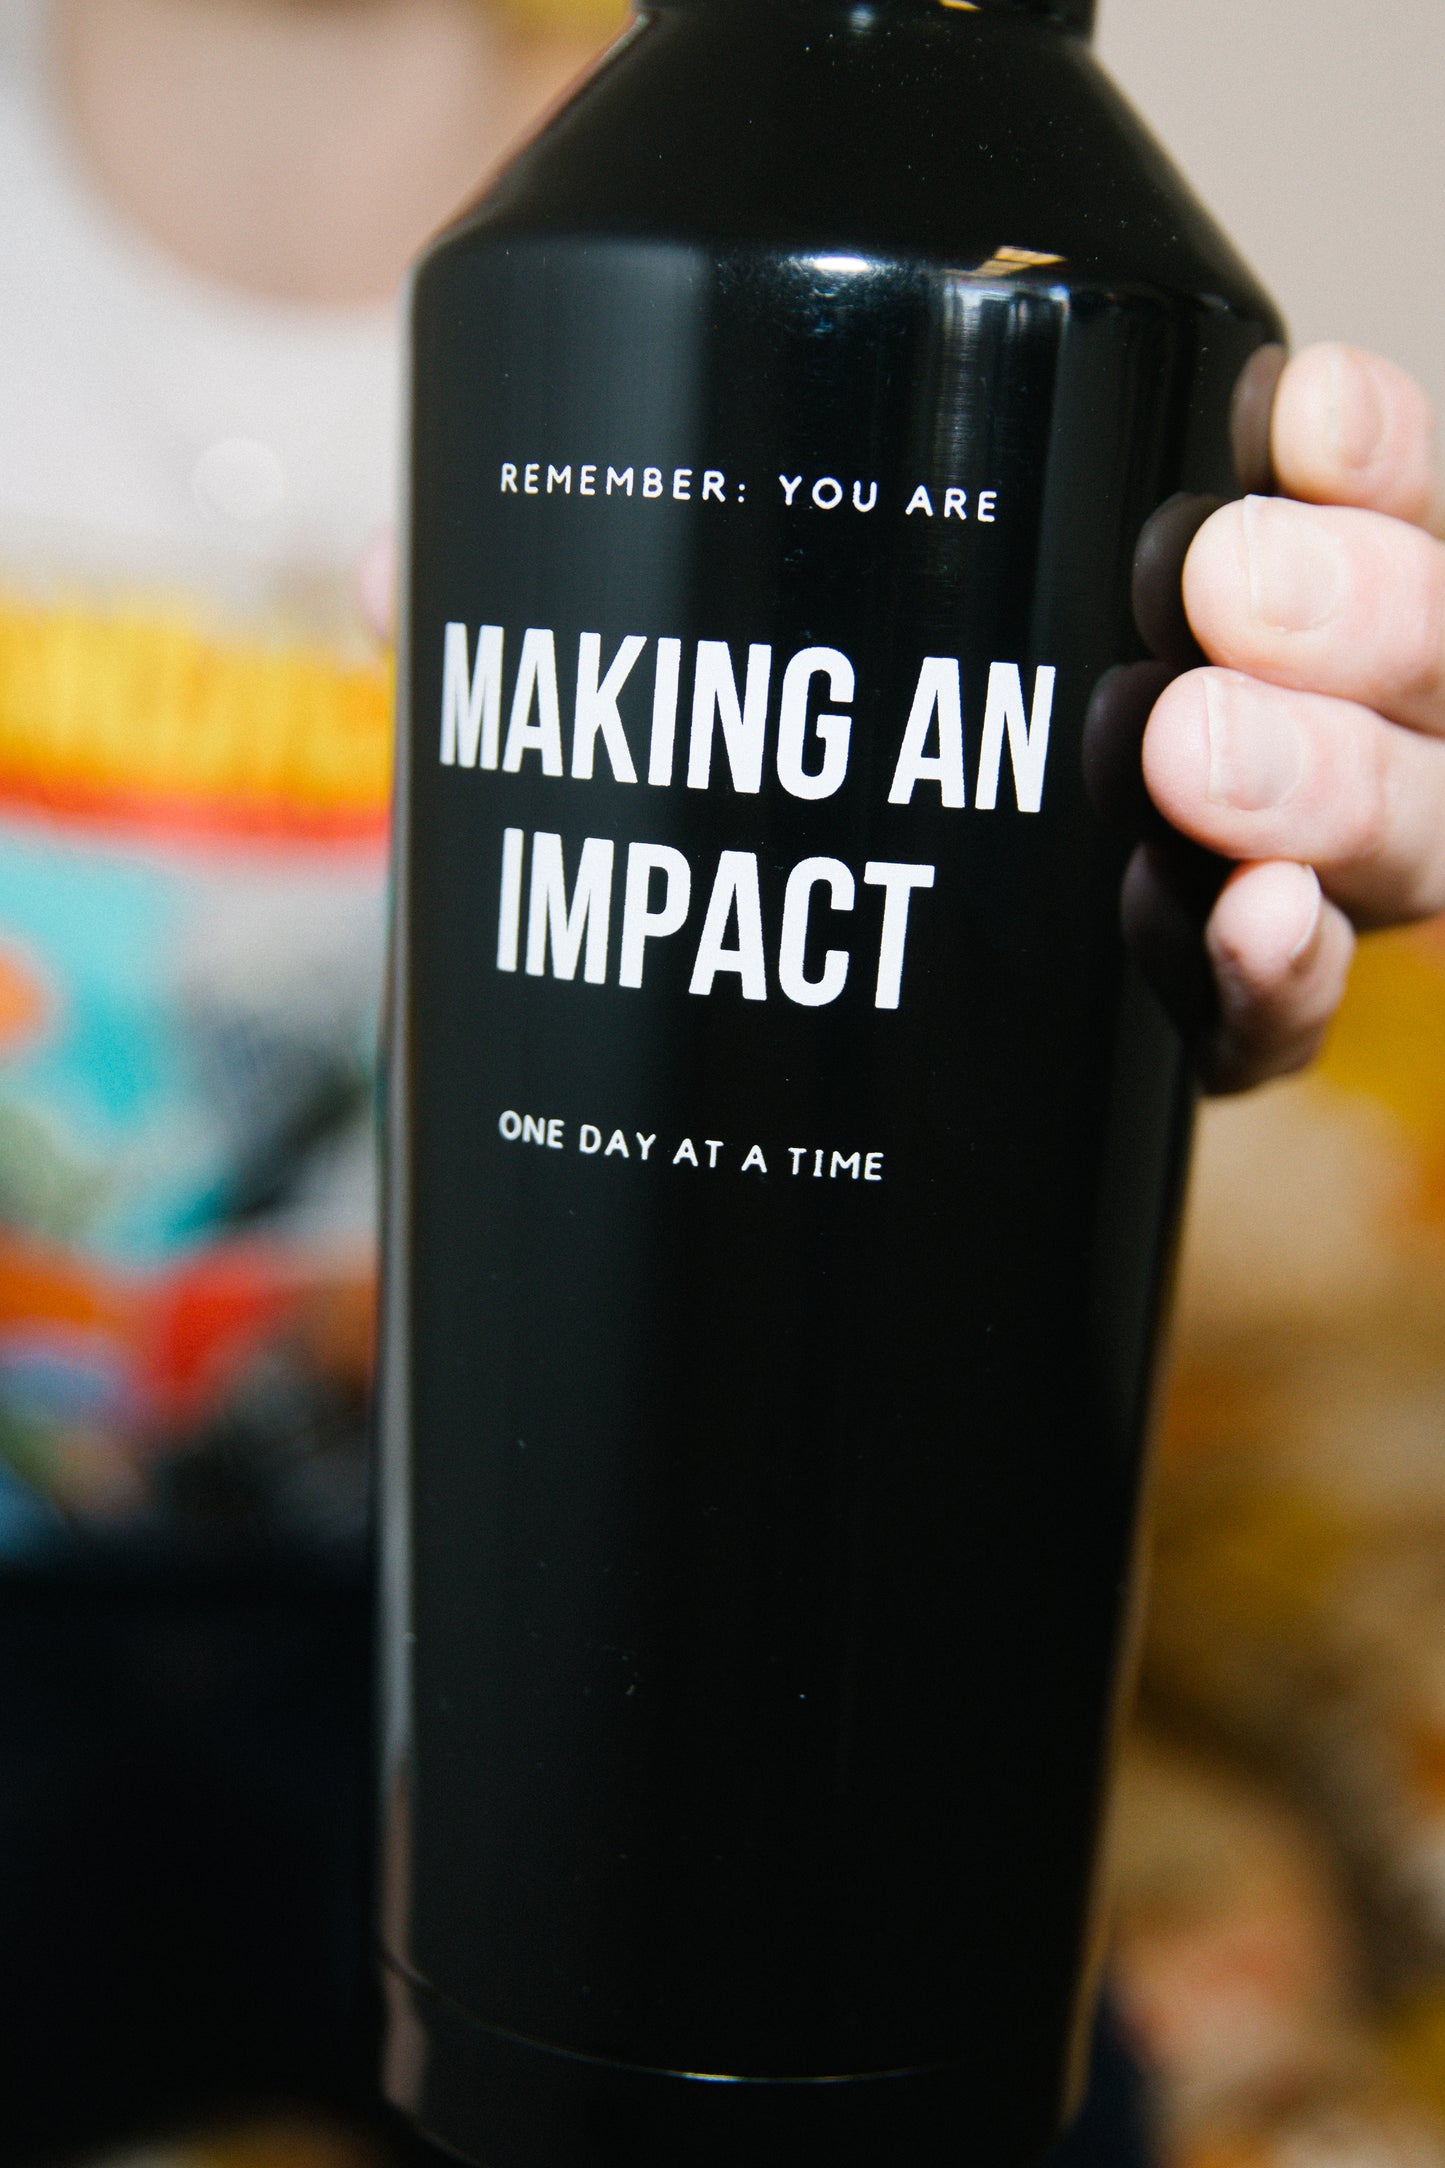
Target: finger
(1158,589)
(1255,771)
(1114,725)
(376,583)
(1170,889)
(1280,954)
(1251,415)
(1335,601)
(1251,967)
(1351,429)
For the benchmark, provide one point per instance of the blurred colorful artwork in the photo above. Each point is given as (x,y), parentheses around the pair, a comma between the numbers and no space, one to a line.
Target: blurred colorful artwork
(192,877)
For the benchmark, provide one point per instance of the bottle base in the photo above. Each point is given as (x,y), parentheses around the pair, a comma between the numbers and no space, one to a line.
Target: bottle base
(499,2101)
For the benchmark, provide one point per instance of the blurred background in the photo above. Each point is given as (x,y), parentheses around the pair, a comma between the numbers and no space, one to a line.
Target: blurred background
(1280,1840)
(1311,129)
(197,440)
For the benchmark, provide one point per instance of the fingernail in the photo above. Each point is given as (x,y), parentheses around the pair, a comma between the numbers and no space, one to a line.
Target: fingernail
(1314,912)
(1296,567)
(1356,410)
(1256,753)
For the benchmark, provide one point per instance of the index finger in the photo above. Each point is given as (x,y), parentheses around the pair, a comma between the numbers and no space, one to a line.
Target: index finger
(1349,428)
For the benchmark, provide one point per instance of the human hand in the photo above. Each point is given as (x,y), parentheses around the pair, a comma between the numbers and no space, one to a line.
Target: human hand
(1307,758)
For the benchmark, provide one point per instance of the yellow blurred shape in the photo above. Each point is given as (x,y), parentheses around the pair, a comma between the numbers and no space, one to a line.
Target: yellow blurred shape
(1241,2152)
(1415,2043)
(1265,1554)
(115,711)
(283,2143)
(579,19)
(1427,1766)
(1005,261)
(1388,1041)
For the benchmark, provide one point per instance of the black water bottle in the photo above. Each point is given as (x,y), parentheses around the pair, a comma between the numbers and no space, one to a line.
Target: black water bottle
(784,1158)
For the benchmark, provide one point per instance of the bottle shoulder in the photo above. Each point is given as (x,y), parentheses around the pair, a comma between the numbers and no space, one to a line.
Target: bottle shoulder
(936,137)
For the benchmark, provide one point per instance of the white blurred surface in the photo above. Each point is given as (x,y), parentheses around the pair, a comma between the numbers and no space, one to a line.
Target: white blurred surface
(1315,132)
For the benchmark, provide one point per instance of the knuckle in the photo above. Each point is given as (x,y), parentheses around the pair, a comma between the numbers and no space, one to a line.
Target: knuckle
(1422,626)
(1423,881)
(1400,614)
(1365,793)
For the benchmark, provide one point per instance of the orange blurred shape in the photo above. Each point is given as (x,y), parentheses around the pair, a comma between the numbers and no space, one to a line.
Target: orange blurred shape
(192,1331)
(336,1324)
(1215,1407)
(24,1001)
(1427,1765)
(1388,1045)
(47,1286)
(206,1319)
(290,2142)
(1232,2152)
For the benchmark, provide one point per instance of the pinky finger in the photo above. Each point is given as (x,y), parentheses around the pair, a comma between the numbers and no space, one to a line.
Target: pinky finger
(1280,954)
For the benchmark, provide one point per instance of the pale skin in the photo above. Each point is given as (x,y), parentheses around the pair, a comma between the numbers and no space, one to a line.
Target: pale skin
(1311,751)
(301,149)
(305,151)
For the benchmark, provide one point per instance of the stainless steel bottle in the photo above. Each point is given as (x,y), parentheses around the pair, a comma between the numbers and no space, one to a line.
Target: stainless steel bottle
(783,1156)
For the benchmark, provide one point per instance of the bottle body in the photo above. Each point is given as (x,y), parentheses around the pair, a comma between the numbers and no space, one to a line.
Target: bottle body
(785,1160)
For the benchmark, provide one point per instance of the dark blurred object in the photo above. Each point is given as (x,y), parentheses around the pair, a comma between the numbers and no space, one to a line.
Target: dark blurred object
(1115,2125)
(185,1849)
